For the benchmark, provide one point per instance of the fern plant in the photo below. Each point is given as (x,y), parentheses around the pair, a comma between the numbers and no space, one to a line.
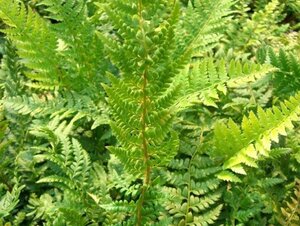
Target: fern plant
(205,80)
(128,112)
(150,88)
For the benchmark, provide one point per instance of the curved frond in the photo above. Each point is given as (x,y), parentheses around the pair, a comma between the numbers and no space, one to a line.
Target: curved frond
(243,146)
(203,80)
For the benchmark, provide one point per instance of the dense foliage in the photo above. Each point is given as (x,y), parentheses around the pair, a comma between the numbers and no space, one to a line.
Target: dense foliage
(142,112)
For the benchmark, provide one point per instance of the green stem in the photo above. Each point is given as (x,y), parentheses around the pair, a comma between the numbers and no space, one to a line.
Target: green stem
(190,180)
(147,172)
(146,158)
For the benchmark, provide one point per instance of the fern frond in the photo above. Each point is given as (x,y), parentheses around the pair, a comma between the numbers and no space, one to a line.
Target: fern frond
(79,172)
(211,17)
(250,31)
(255,135)
(64,105)
(10,200)
(24,26)
(270,182)
(61,182)
(68,155)
(119,206)
(71,216)
(209,217)
(11,77)
(13,13)
(194,191)
(54,54)
(77,33)
(291,211)
(286,80)
(143,126)
(204,79)
(276,153)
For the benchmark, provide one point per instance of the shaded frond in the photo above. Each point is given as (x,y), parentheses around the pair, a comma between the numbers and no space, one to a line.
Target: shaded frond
(286,80)
(291,211)
(200,36)
(10,200)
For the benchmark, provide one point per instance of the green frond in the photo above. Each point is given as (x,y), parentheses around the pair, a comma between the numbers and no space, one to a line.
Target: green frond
(291,210)
(210,17)
(52,130)
(26,25)
(270,182)
(229,176)
(286,80)
(277,153)
(72,217)
(246,215)
(119,206)
(75,165)
(61,182)
(194,191)
(10,76)
(53,53)
(13,13)
(243,146)
(144,89)
(203,80)
(209,217)
(64,105)
(81,164)
(76,33)
(68,155)
(10,200)
(251,30)
(57,212)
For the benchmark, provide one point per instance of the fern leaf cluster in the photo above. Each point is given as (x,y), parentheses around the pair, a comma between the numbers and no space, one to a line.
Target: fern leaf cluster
(65,165)
(63,104)
(252,30)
